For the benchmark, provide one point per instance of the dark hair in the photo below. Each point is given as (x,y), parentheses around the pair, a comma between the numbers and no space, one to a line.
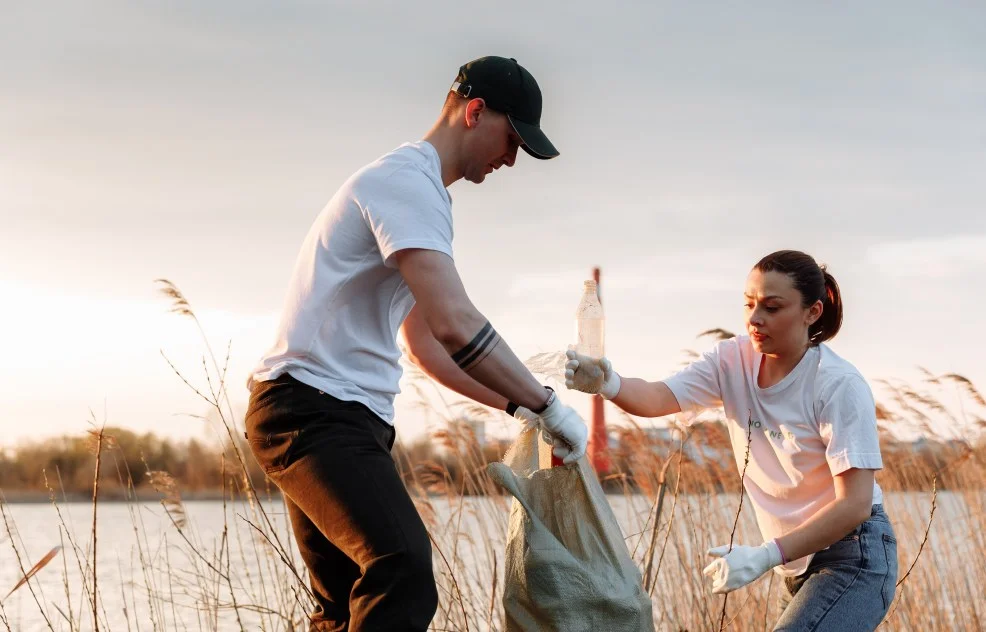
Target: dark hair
(815,284)
(452,101)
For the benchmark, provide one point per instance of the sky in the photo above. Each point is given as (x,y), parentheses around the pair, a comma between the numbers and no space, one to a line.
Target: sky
(198,141)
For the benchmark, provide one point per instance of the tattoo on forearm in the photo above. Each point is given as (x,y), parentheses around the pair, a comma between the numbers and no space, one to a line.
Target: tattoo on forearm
(478,348)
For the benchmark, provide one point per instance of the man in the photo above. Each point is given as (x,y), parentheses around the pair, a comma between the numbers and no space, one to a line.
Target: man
(320,419)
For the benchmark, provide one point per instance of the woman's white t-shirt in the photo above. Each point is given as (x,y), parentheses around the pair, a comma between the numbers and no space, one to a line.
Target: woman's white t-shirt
(817,422)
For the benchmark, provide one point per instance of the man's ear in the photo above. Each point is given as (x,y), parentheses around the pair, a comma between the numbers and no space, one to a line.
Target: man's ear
(474,110)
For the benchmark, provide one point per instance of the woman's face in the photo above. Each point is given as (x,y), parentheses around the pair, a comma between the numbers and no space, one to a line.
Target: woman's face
(775,318)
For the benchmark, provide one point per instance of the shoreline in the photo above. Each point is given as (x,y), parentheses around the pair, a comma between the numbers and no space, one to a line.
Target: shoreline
(22,497)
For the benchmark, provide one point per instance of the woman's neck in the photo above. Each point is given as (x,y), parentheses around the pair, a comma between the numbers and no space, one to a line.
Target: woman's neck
(776,366)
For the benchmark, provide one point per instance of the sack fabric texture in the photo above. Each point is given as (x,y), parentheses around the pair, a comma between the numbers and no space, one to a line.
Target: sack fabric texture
(567,565)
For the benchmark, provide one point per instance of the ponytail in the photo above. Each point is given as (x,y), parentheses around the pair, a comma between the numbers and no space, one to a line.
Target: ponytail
(829,323)
(815,284)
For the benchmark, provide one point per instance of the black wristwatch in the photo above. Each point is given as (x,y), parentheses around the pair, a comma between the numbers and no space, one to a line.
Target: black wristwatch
(512,407)
(548,402)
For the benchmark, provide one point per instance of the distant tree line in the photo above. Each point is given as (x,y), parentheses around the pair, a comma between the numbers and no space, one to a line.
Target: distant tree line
(447,461)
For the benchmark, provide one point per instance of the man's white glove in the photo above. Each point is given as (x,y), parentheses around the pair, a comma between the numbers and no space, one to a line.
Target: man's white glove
(531,420)
(589,375)
(568,433)
(737,568)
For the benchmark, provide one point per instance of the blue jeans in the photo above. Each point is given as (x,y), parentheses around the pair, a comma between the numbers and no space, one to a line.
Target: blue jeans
(848,586)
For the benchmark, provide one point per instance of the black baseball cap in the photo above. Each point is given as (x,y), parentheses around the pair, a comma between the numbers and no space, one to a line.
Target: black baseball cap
(507,87)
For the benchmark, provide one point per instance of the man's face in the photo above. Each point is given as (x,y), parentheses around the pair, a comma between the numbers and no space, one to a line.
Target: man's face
(490,144)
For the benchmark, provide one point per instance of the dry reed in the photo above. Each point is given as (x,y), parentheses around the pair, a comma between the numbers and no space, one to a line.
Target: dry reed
(247,574)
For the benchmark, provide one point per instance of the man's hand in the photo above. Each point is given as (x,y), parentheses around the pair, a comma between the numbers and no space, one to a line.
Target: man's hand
(590,375)
(737,568)
(569,433)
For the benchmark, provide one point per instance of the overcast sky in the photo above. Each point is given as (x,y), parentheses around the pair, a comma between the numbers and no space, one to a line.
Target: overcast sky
(198,141)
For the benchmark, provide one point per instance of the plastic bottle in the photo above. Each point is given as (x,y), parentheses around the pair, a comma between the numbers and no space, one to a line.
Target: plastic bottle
(590,323)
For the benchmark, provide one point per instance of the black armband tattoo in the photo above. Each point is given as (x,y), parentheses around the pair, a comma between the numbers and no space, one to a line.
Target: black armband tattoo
(478,348)
(512,408)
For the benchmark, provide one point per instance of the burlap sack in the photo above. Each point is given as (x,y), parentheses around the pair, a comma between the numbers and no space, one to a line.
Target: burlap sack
(567,566)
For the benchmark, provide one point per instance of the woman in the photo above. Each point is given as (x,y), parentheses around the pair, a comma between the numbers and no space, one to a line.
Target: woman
(810,421)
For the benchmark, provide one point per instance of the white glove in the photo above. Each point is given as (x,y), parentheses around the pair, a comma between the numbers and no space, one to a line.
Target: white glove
(737,568)
(558,447)
(531,420)
(568,433)
(589,375)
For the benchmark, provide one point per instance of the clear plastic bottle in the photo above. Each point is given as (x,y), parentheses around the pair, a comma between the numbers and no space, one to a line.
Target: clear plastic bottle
(590,323)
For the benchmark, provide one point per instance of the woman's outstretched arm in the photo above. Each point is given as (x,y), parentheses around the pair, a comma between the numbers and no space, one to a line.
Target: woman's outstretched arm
(646,399)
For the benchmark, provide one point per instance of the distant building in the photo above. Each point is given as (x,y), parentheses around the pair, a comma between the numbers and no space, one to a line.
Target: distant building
(665,439)
(478,427)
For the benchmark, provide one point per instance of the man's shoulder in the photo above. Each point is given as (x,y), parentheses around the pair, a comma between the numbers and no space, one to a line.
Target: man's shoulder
(407,165)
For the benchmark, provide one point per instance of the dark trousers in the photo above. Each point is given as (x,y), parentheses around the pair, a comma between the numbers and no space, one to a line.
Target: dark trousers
(366,548)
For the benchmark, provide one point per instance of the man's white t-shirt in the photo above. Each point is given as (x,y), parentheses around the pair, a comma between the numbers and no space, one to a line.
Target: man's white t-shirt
(817,422)
(346,300)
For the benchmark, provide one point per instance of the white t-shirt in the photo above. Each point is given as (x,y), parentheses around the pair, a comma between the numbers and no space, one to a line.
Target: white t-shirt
(817,422)
(346,300)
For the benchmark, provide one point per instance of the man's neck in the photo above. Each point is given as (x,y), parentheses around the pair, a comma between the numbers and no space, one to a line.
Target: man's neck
(443,139)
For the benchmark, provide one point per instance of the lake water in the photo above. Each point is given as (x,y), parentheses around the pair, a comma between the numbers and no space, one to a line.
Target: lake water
(150,578)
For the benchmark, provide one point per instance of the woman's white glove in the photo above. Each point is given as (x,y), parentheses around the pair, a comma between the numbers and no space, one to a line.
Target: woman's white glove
(589,375)
(737,568)
(566,431)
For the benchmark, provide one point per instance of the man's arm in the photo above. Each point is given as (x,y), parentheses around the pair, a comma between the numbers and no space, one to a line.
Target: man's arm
(463,332)
(426,352)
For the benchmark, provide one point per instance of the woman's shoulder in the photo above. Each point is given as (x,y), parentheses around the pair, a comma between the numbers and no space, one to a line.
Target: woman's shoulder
(733,345)
(836,374)
(734,354)
(728,350)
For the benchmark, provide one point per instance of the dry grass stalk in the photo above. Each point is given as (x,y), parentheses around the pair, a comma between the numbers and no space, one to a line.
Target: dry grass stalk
(20,563)
(717,334)
(466,517)
(924,540)
(661,489)
(167,486)
(674,504)
(455,583)
(739,510)
(98,438)
(49,556)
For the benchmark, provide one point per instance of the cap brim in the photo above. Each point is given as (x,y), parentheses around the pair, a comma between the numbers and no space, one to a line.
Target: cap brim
(535,142)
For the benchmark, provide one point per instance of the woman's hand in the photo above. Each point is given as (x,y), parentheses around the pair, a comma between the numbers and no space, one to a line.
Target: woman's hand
(589,375)
(743,564)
